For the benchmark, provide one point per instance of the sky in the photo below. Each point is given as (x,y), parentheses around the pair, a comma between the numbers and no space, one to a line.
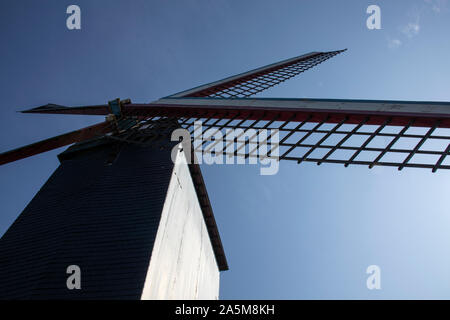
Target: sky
(308,232)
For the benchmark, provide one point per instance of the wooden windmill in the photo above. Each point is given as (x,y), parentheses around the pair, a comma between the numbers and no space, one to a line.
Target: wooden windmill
(139,225)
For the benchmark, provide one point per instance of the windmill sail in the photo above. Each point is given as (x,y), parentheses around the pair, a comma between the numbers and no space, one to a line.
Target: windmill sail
(257,80)
(364,132)
(55,142)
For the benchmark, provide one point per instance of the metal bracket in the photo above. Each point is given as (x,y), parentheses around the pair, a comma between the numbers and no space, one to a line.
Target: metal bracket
(120,122)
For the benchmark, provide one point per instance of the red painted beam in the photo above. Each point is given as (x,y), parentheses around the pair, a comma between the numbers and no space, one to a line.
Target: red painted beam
(55,142)
(85,110)
(267,113)
(284,114)
(309,60)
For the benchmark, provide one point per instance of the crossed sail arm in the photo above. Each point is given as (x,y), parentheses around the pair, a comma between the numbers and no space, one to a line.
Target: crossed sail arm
(311,130)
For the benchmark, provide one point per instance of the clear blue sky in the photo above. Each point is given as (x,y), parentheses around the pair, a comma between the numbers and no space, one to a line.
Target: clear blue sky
(307,232)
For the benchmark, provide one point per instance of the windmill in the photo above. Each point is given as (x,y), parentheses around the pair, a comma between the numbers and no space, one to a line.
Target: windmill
(114,206)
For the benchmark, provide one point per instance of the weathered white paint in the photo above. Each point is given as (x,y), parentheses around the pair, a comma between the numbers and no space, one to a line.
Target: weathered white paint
(342,105)
(182,264)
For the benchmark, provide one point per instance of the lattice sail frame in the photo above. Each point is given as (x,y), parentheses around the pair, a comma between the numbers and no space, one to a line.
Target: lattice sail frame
(342,143)
(320,136)
(363,132)
(255,81)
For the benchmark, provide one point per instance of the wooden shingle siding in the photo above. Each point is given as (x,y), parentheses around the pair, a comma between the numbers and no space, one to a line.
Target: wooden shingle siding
(103,218)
